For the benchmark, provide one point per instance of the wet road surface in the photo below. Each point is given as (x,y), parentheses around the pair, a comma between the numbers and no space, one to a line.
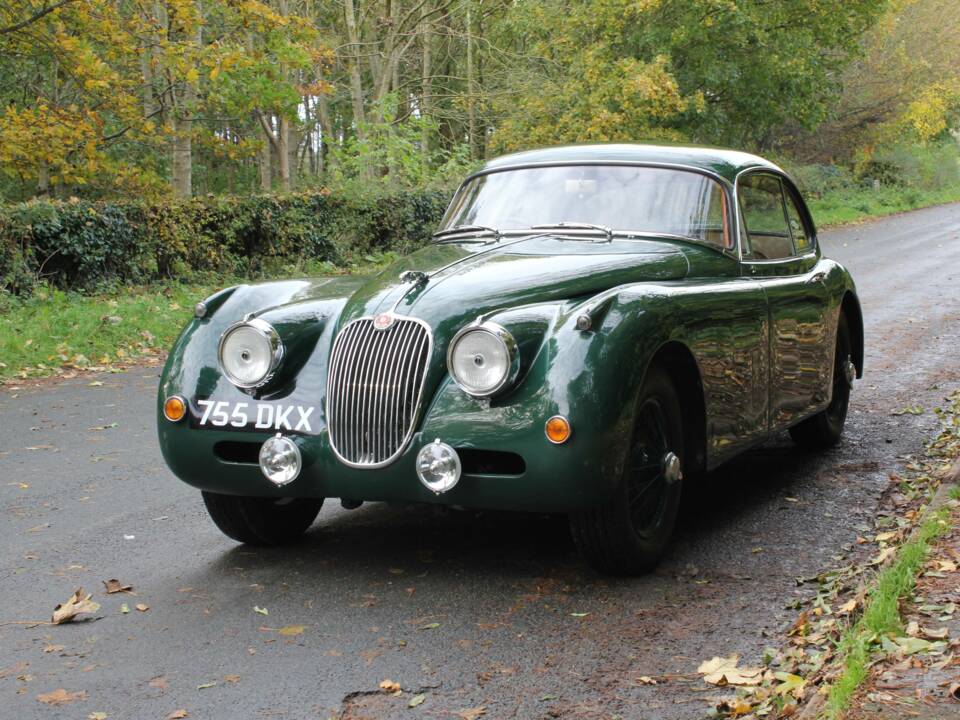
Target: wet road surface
(470,610)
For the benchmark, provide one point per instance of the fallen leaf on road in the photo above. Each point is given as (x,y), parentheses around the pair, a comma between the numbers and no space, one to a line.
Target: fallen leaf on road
(429,626)
(848,607)
(579,614)
(160,682)
(390,686)
(97,716)
(292,630)
(52,648)
(16,669)
(724,671)
(177,715)
(115,586)
(205,686)
(471,713)
(61,697)
(800,624)
(232,678)
(124,608)
(78,604)
(734,707)
(790,684)
(909,410)
(95,383)
(646,680)
(882,556)
(141,607)
(103,427)
(934,634)
(416,700)
(260,610)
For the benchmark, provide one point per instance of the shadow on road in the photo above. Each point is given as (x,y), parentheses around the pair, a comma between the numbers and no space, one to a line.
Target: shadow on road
(378,538)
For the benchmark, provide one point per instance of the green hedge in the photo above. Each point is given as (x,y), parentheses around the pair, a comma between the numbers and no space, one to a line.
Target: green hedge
(84,245)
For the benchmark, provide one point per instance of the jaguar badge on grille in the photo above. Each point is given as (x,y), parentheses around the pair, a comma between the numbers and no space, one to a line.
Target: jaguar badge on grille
(383,321)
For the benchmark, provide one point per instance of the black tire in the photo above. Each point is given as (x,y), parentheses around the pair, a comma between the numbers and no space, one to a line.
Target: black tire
(261,521)
(824,429)
(628,534)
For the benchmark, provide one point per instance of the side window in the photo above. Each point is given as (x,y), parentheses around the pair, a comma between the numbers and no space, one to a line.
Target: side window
(761,198)
(801,239)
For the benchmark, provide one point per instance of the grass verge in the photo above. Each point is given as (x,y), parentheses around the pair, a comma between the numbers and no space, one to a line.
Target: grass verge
(881,615)
(62,333)
(849,206)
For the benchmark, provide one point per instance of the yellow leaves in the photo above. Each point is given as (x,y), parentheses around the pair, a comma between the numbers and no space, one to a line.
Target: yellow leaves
(724,671)
(78,604)
(192,75)
(61,697)
(928,115)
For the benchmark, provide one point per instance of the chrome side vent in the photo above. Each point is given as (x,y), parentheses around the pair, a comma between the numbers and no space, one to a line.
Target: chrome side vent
(375,386)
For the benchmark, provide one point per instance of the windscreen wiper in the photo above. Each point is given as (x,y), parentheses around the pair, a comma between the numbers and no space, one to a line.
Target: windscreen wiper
(576,226)
(468,228)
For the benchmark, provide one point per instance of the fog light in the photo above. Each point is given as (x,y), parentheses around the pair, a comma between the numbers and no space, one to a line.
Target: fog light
(438,467)
(174,408)
(558,429)
(280,460)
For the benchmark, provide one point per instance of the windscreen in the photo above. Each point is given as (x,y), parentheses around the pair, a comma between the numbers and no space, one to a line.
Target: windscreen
(627,198)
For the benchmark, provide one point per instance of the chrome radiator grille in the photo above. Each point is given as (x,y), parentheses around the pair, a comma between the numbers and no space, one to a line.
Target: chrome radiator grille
(374,388)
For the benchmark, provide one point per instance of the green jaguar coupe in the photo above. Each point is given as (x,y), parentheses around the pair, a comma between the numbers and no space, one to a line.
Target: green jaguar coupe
(591,328)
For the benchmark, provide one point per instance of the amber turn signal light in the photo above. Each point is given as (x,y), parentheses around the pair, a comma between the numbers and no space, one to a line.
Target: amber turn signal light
(558,429)
(174,408)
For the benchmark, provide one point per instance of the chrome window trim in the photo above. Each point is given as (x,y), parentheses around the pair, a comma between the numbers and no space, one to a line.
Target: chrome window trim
(786,185)
(266,330)
(728,187)
(513,354)
(345,405)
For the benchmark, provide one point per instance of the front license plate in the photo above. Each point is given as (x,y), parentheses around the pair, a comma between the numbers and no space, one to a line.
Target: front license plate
(256,416)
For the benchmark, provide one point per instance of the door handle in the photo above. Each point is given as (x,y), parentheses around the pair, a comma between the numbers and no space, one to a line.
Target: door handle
(817,277)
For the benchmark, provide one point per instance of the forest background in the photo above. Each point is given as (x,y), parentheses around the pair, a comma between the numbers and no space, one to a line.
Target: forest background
(147,142)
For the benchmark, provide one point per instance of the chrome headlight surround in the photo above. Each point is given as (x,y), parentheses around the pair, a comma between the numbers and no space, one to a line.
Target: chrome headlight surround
(503,336)
(274,348)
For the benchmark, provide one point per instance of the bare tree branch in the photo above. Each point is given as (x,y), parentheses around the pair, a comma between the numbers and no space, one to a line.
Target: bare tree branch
(33,18)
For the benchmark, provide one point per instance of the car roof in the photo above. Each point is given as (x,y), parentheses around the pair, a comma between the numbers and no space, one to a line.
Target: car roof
(725,163)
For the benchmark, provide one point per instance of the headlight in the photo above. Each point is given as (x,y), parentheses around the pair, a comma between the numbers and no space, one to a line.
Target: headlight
(483,359)
(250,352)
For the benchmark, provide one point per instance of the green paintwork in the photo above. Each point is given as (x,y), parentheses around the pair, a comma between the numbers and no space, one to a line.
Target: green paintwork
(758,336)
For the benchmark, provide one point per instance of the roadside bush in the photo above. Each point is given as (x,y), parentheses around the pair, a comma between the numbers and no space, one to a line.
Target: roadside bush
(86,246)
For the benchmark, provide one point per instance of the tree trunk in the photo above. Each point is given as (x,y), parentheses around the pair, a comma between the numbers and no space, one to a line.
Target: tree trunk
(471,89)
(327,136)
(182,151)
(425,85)
(356,82)
(285,148)
(263,161)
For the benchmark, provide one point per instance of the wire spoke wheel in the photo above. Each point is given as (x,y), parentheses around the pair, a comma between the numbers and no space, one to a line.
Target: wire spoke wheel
(628,533)
(646,476)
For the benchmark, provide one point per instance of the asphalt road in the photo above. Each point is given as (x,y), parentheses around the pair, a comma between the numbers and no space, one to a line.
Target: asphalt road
(489,610)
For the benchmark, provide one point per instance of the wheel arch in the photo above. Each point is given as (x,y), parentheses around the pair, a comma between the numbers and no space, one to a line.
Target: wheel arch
(676,359)
(850,307)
